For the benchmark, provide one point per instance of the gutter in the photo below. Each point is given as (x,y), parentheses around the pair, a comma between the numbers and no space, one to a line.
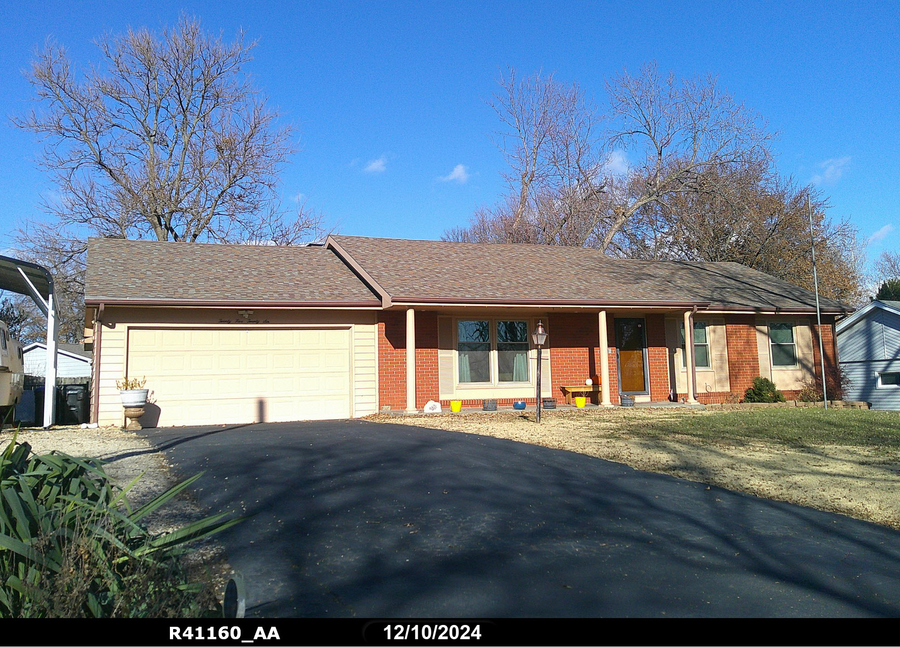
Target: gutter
(203,303)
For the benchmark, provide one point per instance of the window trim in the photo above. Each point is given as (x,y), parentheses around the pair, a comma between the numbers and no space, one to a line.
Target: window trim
(793,327)
(493,355)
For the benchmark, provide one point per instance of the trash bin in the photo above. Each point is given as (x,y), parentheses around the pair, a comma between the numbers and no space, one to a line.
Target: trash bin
(72,404)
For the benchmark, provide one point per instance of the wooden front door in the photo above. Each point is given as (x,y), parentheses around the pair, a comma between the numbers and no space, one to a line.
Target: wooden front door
(632,342)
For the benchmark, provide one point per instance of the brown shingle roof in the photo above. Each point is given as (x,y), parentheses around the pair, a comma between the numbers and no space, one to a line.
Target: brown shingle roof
(143,271)
(437,271)
(152,272)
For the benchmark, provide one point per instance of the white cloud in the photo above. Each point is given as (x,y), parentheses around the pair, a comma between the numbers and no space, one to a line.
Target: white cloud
(616,163)
(832,170)
(377,166)
(881,234)
(458,174)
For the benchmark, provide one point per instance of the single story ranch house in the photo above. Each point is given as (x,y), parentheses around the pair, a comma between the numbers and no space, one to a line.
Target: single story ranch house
(241,333)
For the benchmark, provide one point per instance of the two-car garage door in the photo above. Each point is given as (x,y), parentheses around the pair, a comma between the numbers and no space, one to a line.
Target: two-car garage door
(231,375)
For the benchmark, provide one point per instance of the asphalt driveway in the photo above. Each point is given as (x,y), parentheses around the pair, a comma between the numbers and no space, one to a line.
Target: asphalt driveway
(368,520)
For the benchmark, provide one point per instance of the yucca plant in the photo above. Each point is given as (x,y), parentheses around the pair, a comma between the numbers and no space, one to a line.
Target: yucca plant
(71,544)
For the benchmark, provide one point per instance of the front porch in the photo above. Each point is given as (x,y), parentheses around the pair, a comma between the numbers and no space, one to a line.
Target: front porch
(443,353)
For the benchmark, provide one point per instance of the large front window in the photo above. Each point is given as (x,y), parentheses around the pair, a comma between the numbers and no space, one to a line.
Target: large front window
(492,351)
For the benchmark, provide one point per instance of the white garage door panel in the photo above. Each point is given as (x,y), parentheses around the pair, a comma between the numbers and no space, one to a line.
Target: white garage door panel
(238,376)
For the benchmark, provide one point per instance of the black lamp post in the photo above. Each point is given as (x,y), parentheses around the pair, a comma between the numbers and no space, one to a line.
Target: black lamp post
(539,337)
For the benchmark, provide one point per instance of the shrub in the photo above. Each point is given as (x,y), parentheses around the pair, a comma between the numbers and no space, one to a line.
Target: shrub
(837,383)
(72,546)
(763,390)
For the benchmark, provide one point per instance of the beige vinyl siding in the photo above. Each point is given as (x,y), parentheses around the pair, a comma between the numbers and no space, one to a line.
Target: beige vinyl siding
(112,369)
(365,370)
(786,378)
(711,379)
(446,359)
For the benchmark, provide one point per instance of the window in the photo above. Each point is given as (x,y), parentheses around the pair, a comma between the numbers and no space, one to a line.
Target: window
(701,345)
(891,379)
(512,351)
(474,351)
(488,348)
(781,340)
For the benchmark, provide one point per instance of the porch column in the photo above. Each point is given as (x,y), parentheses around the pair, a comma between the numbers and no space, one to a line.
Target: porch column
(410,360)
(604,362)
(689,355)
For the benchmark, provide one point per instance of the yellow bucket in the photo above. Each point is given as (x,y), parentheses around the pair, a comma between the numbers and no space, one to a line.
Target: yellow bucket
(455,406)
(580,401)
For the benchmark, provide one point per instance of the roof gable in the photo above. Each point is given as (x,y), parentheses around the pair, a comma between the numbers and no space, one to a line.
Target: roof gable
(890,307)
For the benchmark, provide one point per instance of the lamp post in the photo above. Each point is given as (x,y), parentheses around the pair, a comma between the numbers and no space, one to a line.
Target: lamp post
(539,337)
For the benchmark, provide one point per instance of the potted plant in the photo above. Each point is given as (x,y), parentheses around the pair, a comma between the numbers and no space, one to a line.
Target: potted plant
(132,392)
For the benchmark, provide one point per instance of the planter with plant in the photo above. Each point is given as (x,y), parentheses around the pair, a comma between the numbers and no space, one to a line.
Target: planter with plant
(132,392)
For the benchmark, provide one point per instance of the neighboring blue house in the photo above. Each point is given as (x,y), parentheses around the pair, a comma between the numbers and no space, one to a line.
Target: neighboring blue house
(71,360)
(869,354)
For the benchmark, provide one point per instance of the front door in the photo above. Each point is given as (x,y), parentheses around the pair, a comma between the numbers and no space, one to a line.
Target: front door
(632,343)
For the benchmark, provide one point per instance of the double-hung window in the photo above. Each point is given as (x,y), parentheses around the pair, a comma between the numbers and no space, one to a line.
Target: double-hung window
(701,345)
(492,351)
(782,342)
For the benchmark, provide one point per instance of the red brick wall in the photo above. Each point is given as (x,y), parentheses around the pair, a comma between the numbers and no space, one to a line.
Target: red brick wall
(657,357)
(427,381)
(574,352)
(392,359)
(743,358)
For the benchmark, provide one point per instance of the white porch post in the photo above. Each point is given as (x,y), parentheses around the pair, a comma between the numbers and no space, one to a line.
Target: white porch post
(410,360)
(689,355)
(604,362)
(48,307)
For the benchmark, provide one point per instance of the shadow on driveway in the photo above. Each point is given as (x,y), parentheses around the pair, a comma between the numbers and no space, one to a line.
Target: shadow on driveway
(360,519)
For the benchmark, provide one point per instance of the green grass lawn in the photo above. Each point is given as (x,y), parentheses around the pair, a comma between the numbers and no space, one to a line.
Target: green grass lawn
(793,427)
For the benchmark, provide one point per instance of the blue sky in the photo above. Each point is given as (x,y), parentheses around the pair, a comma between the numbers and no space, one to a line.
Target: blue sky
(389,98)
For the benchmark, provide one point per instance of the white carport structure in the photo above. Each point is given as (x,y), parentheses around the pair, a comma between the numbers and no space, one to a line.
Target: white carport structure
(23,277)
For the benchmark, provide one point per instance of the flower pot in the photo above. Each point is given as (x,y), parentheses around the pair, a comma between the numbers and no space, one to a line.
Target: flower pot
(455,406)
(490,405)
(134,398)
(548,403)
(580,401)
(519,405)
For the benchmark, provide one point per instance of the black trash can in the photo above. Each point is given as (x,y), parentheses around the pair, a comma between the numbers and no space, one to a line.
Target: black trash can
(72,404)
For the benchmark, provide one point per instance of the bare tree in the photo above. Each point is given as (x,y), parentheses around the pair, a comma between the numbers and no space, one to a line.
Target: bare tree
(165,138)
(551,141)
(673,170)
(563,189)
(887,266)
